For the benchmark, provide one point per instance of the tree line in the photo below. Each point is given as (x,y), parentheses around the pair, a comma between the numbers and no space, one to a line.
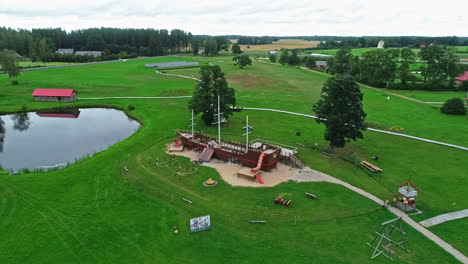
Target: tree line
(391,68)
(144,42)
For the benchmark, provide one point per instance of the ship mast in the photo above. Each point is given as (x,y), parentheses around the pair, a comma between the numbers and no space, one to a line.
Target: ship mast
(247,132)
(193,126)
(219,114)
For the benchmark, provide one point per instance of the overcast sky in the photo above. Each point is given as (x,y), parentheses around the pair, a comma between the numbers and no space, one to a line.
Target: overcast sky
(247,17)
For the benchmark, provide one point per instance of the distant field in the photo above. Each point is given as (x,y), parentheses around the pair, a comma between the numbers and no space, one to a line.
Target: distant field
(41,64)
(355,52)
(283,43)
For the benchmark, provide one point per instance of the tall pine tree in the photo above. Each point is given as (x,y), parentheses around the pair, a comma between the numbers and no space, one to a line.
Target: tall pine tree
(205,98)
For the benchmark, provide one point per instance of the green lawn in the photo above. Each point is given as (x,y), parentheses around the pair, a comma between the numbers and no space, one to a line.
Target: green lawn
(26,64)
(94,212)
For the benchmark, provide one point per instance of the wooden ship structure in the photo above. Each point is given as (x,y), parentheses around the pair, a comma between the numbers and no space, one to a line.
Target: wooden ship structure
(263,156)
(255,157)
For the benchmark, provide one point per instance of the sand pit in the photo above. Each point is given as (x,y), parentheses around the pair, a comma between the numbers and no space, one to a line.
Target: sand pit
(228,172)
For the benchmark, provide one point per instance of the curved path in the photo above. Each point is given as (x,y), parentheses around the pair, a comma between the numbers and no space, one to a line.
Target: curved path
(310,175)
(138,97)
(444,218)
(371,129)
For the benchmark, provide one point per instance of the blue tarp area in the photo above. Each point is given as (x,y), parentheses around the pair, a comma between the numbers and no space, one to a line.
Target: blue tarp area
(173,64)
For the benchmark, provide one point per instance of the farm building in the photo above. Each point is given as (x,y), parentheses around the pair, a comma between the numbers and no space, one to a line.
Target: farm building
(462,78)
(321,64)
(320,55)
(65,51)
(89,53)
(274,52)
(58,95)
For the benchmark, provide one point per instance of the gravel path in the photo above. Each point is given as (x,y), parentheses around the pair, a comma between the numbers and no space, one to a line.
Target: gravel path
(444,218)
(371,129)
(310,175)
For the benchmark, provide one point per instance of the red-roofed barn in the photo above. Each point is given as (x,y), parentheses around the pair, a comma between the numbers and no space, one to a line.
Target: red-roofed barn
(64,95)
(462,78)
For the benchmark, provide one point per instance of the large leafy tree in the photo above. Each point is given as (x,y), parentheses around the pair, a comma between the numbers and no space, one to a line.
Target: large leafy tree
(378,67)
(9,63)
(242,61)
(341,62)
(236,49)
(294,59)
(407,56)
(205,98)
(442,66)
(211,47)
(283,59)
(340,109)
(44,50)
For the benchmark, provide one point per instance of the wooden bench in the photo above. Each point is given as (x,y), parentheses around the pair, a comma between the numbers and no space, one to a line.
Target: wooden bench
(370,167)
(311,196)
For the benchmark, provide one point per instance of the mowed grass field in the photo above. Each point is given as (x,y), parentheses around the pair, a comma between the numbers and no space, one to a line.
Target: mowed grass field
(94,212)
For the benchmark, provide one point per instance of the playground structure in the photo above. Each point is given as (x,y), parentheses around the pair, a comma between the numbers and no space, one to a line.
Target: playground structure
(388,235)
(406,198)
(281,201)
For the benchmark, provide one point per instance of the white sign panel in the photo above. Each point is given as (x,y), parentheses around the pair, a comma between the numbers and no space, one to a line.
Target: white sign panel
(200,223)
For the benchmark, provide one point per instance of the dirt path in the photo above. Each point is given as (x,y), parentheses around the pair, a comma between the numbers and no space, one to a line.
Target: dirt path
(368,87)
(444,218)
(310,175)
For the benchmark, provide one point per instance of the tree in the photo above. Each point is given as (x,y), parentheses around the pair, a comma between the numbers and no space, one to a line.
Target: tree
(340,63)
(378,67)
(454,106)
(210,47)
(205,97)
(442,67)
(284,57)
(310,62)
(2,134)
(294,60)
(272,58)
(407,57)
(236,49)
(9,63)
(340,109)
(43,50)
(242,61)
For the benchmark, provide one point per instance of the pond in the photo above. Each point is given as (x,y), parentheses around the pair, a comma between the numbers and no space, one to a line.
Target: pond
(51,139)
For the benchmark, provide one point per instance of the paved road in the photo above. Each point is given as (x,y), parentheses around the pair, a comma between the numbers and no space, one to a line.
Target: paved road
(444,218)
(310,175)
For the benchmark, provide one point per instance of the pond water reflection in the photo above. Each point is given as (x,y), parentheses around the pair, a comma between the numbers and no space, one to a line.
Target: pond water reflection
(50,139)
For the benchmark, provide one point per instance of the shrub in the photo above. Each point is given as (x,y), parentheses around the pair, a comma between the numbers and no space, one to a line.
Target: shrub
(454,106)
(463,86)
(131,107)
(14,82)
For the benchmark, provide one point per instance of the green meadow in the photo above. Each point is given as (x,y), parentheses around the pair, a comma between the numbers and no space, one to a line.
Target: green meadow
(96,212)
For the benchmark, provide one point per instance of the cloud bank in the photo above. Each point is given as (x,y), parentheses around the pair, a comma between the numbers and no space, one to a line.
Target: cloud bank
(260,17)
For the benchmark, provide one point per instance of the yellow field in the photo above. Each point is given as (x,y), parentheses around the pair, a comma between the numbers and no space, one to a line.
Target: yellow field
(283,43)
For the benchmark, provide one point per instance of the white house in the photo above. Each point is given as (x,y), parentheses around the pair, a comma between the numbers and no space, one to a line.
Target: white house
(89,53)
(273,52)
(65,51)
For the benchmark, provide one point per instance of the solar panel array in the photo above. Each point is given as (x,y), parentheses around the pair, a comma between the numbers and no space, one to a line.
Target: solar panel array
(173,64)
